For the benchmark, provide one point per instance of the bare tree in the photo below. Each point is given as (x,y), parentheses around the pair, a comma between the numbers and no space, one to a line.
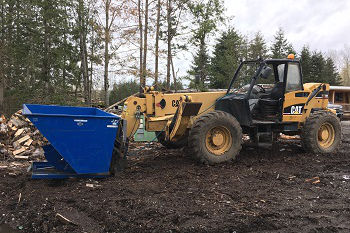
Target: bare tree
(144,63)
(83,50)
(156,72)
(141,40)
(111,13)
(169,38)
(345,68)
(174,75)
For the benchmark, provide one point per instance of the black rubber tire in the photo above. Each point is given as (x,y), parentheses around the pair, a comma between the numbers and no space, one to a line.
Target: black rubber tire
(119,161)
(310,129)
(171,145)
(197,137)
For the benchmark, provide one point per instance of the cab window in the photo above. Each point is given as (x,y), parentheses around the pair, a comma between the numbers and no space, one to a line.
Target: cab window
(280,69)
(293,78)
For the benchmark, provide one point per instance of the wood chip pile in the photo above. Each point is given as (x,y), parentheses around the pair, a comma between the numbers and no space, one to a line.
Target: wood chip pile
(19,139)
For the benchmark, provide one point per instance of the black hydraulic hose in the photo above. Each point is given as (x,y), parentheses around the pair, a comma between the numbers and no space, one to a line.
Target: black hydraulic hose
(314,93)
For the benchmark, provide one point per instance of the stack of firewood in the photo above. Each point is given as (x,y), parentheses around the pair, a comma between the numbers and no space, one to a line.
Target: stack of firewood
(19,139)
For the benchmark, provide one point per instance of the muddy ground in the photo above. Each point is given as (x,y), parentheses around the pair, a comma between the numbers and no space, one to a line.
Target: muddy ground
(166,191)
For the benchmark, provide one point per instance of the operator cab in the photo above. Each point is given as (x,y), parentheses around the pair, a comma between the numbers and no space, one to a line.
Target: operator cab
(287,77)
(262,99)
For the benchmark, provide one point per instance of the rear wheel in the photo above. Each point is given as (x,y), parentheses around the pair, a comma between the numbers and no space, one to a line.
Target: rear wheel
(321,133)
(215,137)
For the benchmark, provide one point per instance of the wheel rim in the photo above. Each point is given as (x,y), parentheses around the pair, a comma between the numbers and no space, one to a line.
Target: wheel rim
(326,135)
(218,140)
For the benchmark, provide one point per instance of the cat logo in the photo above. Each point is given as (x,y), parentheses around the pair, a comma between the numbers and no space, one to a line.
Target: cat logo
(295,110)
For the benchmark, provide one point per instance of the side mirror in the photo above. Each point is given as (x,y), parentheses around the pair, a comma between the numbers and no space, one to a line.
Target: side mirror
(266,72)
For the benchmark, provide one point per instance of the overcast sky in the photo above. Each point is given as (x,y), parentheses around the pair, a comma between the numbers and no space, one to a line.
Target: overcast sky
(322,24)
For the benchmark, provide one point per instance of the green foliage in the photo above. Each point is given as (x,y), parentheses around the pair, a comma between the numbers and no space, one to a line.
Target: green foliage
(232,47)
(226,58)
(122,90)
(199,67)
(41,61)
(317,68)
(257,47)
(162,85)
(281,47)
(207,15)
(305,57)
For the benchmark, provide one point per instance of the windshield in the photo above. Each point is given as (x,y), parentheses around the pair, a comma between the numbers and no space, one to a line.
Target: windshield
(242,83)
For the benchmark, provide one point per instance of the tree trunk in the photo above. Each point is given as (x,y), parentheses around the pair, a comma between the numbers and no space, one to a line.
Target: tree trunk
(144,63)
(202,60)
(46,60)
(106,55)
(91,62)
(169,45)
(174,76)
(141,41)
(83,50)
(157,45)
(64,72)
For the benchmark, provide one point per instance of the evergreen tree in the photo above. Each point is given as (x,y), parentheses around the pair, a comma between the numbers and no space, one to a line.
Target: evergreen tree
(206,17)
(226,58)
(122,90)
(281,47)
(257,47)
(322,70)
(305,56)
(331,74)
(317,67)
(199,67)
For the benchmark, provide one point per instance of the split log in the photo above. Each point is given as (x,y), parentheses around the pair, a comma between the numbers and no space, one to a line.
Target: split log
(2,119)
(17,122)
(21,157)
(19,151)
(29,142)
(19,132)
(23,139)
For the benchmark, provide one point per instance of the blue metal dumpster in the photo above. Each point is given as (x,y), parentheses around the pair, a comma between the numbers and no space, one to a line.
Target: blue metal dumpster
(81,140)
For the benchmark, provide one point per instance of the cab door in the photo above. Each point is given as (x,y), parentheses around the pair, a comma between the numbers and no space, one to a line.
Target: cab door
(294,97)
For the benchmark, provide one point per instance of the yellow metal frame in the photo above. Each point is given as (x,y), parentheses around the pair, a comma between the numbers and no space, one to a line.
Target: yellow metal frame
(158,116)
(159,108)
(291,100)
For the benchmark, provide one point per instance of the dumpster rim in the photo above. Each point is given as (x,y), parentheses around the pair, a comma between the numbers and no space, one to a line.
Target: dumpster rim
(71,116)
(26,112)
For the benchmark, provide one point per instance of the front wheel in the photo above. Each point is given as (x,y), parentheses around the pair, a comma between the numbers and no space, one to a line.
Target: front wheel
(321,133)
(215,137)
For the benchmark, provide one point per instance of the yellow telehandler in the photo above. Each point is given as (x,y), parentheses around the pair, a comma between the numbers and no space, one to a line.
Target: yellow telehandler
(212,124)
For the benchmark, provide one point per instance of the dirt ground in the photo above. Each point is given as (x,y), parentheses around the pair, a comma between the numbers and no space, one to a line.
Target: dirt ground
(166,191)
